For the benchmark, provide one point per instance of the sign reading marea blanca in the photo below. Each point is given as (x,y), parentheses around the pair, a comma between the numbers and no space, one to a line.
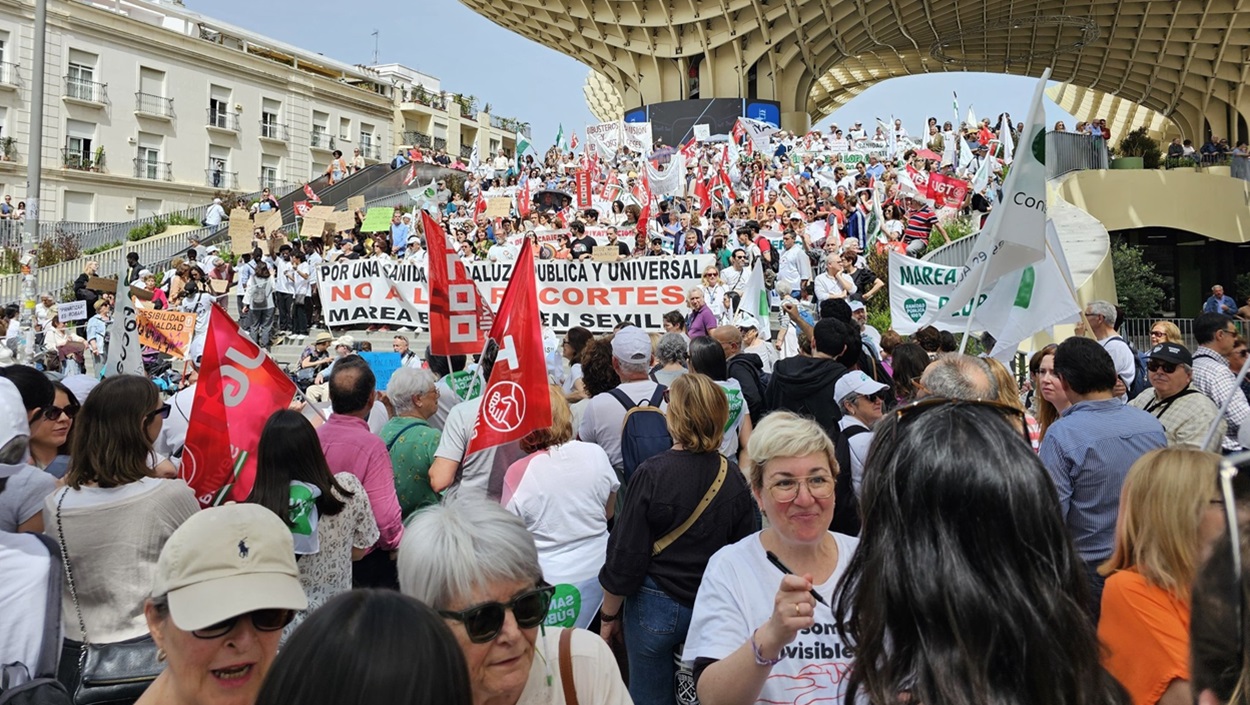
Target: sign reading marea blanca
(594,295)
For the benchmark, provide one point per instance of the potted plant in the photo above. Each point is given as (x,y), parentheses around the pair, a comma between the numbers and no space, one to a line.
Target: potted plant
(1137,150)
(98,164)
(8,148)
(421,95)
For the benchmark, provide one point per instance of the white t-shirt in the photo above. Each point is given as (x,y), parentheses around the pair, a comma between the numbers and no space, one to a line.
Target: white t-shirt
(736,597)
(282,283)
(575,373)
(827,287)
(734,280)
(561,493)
(738,411)
(24,563)
(605,415)
(173,435)
(794,266)
(1122,356)
(858,445)
(482,472)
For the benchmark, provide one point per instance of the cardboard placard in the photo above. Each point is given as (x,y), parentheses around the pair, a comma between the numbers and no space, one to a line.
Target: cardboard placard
(322,212)
(355,203)
(71,311)
(101,284)
(270,220)
(311,228)
(141,293)
(498,207)
(169,332)
(346,221)
(240,231)
(383,365)
(377,220)
(605,253)
(276,242)
(218,286)
(702,132)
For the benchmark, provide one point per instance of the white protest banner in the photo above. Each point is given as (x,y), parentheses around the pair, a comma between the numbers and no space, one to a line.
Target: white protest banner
(637,136)
(124,357)
(918,289)
(702,132)
(553,237)
(594,295)
(71,311)
(604,138)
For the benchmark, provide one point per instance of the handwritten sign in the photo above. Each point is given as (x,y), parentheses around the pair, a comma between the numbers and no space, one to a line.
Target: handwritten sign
(346,220)
(605,253)
(383,365)
(72,311)
(377,220)
(355,203)
(498,207)
(322,212)
(169,332)
(102,284)
(312,227)
(270,220)
(240,231)
(702,132)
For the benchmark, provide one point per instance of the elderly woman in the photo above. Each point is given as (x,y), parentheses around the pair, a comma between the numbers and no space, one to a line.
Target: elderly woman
(671,354)
(978,511)
(225,587)
(565,491)
(757,594)
(477,565)
(68,345)
(409,437)
(1171,514)
(682,507)
(1165,332)
(1185,412)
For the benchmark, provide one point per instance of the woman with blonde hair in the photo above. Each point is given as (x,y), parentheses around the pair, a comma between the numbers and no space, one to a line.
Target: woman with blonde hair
(1009,394)
(1171,514)
(565,492)
(1165,332)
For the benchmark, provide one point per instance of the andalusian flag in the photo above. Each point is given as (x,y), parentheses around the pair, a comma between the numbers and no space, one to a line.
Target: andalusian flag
(562,143)
(755,301)
(872,226)
(522,144)
(955,104)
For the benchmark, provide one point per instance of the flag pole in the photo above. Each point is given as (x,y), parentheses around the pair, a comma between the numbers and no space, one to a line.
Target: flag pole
(976,296)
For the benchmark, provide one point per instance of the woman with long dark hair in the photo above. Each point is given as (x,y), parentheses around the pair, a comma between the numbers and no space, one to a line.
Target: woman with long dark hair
(329,515)
(909,361)
(707,357)
(966,588)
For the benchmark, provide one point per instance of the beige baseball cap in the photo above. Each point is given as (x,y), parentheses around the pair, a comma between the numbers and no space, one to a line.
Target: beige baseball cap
(227,561)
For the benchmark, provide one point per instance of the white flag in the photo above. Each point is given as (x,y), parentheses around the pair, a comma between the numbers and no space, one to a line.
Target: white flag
(972,118)
(670,181)
(1014,236)
(124,357)
(1004,136)
(426,198)
(965,152)
(981,178)
(754,303)
(475,161)
(1041,300)
(758,133)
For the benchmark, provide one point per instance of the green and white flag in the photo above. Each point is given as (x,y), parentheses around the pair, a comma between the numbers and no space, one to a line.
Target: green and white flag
(755,304)
(522,144)
(562,142)
(426,197)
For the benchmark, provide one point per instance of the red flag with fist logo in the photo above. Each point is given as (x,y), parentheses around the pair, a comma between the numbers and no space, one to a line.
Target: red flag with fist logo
(516,400)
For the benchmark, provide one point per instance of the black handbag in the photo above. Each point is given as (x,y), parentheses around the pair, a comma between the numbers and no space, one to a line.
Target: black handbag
(109,674)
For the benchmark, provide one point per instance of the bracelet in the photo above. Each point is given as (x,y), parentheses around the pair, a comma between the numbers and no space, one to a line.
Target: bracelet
(604,617)
(759,657)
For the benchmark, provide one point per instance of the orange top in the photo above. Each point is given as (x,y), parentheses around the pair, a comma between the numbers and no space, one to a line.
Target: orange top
(1144,630)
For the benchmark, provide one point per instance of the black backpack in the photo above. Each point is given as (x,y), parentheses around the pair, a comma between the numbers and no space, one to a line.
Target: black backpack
(644,432)
(18,685)
(846,519)
(757,398)
(1141,379)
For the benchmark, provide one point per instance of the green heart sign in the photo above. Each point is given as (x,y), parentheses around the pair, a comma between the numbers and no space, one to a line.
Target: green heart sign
(915,309)
(566,605)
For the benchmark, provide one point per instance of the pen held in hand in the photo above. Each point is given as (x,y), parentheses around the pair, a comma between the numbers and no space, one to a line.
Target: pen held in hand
(772,558)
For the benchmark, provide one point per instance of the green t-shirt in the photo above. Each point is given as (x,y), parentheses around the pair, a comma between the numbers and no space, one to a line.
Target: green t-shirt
(412,442)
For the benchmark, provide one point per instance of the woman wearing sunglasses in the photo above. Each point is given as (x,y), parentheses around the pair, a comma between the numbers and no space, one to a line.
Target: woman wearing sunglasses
(477,565)
(225,587)
(1171,514)
(113,517)
(49,437)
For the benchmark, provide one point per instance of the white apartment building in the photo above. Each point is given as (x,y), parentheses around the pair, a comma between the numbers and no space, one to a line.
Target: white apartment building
(151,108)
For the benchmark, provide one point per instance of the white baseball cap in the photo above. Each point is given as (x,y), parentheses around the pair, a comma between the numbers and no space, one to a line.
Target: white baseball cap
(856,382)
(631,344)
(227,561)
(12,423)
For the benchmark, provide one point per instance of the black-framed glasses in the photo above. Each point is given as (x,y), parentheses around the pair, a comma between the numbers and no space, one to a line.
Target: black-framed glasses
(483,622)
(266,620)
(1013,415)
(1156,365)
(873,398)
(162,412)
(52,413)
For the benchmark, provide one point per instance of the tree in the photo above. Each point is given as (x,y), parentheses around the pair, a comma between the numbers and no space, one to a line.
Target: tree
(1138,286)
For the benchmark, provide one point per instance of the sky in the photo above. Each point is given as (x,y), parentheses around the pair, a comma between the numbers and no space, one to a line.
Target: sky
(528,81)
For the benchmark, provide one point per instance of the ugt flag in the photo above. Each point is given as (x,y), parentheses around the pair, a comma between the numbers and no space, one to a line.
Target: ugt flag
(516,400)
(239,389)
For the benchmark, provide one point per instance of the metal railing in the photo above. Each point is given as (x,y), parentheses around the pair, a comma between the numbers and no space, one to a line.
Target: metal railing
(321,140)
(1067,152)
(274,131)
(466,151)
(222,120)
(1137,331)
(509,124)
(157,171)
(75,159)
(440,143)
(89,91)
(418,139)
(219,178)
(8,73)
(150,104)
(953,254)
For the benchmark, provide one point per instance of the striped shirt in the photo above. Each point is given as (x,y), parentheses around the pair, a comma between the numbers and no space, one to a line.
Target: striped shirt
(920,224)
(1213,378)
(1088,452)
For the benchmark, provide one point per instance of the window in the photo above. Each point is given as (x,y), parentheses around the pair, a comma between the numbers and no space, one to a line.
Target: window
(148,158)
(270,120)
(6,69)
(218,173)
(367,147)
(78,206)
(80,77)
(345,129)
(321,130)
(494,146)
(219,108)
(270,171)
(79,136)
(151,96)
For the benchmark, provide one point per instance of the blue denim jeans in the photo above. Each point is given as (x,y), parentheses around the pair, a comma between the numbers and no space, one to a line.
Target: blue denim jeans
(654,625)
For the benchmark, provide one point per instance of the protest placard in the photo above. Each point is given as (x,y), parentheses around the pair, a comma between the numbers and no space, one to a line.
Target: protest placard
(271,221)
(101,284)
(594,295)
(218,286)
(377,220)
(169,332)
(605,253)
(498,207)
(355,203)
(383,365)
(702,132)
(311,228)
(140,293)
(919,287)
(345,220)
(69,311)
(322,212)
(240,231)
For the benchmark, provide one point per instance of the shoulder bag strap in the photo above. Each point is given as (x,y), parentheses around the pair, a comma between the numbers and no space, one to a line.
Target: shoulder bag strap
(402,431)
(658,547)
(566,667)
(69,578)
(50,650)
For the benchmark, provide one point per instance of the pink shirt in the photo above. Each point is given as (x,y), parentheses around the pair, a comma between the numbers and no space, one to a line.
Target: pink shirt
(350,447)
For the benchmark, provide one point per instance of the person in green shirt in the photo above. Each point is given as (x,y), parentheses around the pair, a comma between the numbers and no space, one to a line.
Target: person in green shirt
(410,439)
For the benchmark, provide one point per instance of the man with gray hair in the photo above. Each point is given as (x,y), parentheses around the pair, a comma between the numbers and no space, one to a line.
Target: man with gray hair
(1185,412)
(959,376)
(605,415)
(1102,318)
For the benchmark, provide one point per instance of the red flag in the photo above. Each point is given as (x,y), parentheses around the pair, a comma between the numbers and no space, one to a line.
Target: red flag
(516,400)
(302,208)
(701,191)
(523,197)
(455,305)
(583,188)
(758,195)
(479,207)
(644,196)
(411,175)
(309,193)
(239,389)
(573,142)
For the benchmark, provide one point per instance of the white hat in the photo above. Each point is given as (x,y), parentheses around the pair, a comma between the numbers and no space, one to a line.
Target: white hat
(856,305)
(631,344)
(226,561)
(746,320)
(856,382)
(12,422)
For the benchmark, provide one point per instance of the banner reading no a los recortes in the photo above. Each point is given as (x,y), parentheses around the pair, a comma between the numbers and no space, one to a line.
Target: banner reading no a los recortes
(594,295)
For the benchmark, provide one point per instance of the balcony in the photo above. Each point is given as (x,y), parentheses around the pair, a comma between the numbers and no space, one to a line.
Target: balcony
(218,178)
(321,140)
(85,92)
(418,139)
(466,151)
(511,125)
(149,105)
(156,171)
(8,76)
(79,161)
(275,131)
(220,120)
(440,143)
(369,150)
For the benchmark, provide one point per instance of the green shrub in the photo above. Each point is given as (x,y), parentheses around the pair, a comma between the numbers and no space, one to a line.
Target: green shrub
(102,248)
(1139,143)
(176,219)
(141,232)
(1138,286)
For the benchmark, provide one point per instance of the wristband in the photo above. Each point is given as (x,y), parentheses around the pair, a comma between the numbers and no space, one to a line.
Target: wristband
(604,617)
(759,657)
